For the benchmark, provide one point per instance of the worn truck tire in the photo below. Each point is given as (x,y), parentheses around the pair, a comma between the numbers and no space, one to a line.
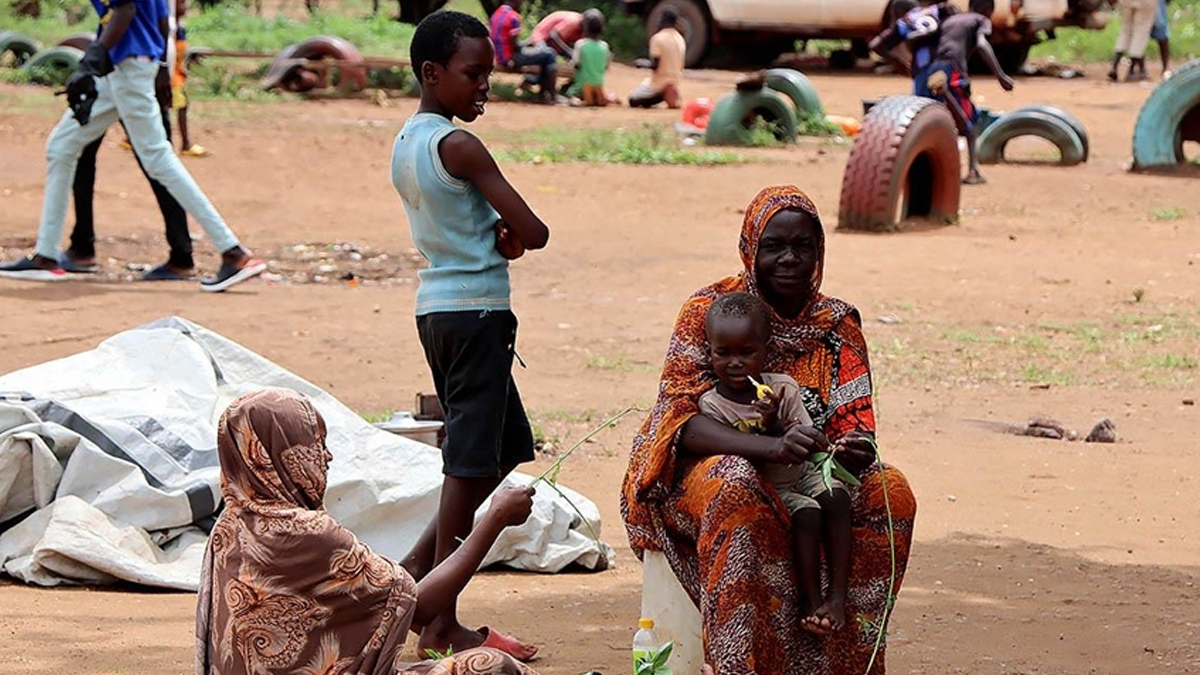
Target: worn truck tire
(1071,121)
(1030,123)
(80,41)
(733,115)
(54,65)
(904,164)
(16,49)
(286,74)
(1170,116)
(794,85)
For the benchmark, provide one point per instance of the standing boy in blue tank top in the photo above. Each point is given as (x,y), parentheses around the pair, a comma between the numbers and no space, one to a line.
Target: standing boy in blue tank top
(468,222)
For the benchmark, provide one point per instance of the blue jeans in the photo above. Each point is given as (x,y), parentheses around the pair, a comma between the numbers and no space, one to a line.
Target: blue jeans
(546,59)
(126,94)
(1160,31)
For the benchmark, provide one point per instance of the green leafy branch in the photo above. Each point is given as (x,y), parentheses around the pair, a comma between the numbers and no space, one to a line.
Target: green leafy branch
(654,662)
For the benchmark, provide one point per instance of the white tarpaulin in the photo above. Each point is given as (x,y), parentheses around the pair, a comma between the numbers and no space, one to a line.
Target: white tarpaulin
(108,467)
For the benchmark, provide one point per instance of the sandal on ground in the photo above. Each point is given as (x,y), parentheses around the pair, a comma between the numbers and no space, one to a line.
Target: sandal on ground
(506,643)
(196,150)
(163,273)
(73,266)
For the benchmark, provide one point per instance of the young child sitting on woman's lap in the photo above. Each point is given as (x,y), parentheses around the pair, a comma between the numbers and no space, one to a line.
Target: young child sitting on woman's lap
(739,329)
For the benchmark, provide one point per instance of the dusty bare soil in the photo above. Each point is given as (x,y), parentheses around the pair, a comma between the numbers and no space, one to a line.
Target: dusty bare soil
(1069,293)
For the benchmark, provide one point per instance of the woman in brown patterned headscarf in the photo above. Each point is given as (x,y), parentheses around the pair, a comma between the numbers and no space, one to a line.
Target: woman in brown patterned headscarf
(286,589)
(692,490)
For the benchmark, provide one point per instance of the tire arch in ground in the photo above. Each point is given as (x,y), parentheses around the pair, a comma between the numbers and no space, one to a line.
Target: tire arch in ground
(904,165)
(290,76)
(796,86)
(1169,117)
(16,49)
(54,65)
(734,113)
(80,41)
(1031,123)
(1071,121)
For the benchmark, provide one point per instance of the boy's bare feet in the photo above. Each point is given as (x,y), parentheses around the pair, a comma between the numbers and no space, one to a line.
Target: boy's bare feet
(829,617)
(974,179)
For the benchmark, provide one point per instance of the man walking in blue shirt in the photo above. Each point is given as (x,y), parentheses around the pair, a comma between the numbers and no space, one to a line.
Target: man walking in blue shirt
(115,80)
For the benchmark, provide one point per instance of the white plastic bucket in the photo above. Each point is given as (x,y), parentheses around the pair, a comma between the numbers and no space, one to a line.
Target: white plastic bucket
(403,424)
(676,619)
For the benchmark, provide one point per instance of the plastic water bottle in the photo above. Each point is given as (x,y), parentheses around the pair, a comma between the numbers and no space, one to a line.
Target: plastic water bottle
(644,642)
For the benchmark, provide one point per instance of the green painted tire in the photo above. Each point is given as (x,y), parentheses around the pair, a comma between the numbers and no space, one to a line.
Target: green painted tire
(1030,123)
(1170,116)
(1071,121)
(731,118)
(796,86)
(53,66)
(19,46)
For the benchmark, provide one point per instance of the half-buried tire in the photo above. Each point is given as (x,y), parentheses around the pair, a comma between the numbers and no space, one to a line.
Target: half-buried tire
(734,114)
(903,165)
(53,66)
(794,85)
(15,48)
(1030,123)
(80,41)
(288,73)
(1169,117)
(1071,121)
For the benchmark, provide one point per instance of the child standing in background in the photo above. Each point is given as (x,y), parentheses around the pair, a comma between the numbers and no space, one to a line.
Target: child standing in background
(591,58)
(179,77)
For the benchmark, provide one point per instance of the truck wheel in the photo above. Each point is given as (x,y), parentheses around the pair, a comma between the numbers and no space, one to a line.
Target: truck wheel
(694,23)
(1030,123)
(794,85)
(1070,120)
(733,115)
(16,49)
(54,65)
(904,164)
(1170,116)
(80,41)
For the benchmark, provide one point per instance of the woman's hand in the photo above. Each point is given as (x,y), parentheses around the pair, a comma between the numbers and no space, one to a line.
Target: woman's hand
(857,451)
(511,506)
(507,242)
(797,444)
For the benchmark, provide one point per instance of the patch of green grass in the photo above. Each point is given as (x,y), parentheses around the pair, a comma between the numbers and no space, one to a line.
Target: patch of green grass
(810,124)
(1171,362)
(760,134)
(1038,374)
(1076,45)
(649,145)
(377,417)
(1168,214)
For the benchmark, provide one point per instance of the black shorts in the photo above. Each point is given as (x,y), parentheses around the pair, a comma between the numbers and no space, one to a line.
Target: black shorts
(470,355)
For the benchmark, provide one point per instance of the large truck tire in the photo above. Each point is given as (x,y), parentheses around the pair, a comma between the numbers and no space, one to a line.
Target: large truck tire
(16,49)
(794,85)
(286,74)
(1170,116)
(734,114)
(1071,121)
(1030,123)
(53,66)
(904,164)
(694,24)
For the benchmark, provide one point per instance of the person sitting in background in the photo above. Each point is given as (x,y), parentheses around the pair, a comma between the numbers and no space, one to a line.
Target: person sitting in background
(559,31)
(592,57)
(512,55)
(667,52)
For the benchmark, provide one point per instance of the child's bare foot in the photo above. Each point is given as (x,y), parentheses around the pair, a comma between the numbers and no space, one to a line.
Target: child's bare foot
(462,638)
(829,617)
(974,179)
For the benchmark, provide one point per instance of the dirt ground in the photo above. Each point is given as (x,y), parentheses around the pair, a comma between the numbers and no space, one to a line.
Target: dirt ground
(1065,292)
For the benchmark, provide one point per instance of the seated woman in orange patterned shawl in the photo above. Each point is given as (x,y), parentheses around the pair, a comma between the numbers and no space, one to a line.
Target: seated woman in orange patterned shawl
(692,490)
(286,589)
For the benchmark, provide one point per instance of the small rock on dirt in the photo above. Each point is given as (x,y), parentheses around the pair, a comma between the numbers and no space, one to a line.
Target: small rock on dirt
(889,319)
(1104,432)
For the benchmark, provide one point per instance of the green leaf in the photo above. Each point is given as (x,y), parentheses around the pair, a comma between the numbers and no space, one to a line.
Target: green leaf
(843,475)
(818,458)
(662,655)
(827,475)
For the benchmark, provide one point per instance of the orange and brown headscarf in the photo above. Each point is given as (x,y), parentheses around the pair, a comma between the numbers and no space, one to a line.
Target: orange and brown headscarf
(284,587)
(822,349)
